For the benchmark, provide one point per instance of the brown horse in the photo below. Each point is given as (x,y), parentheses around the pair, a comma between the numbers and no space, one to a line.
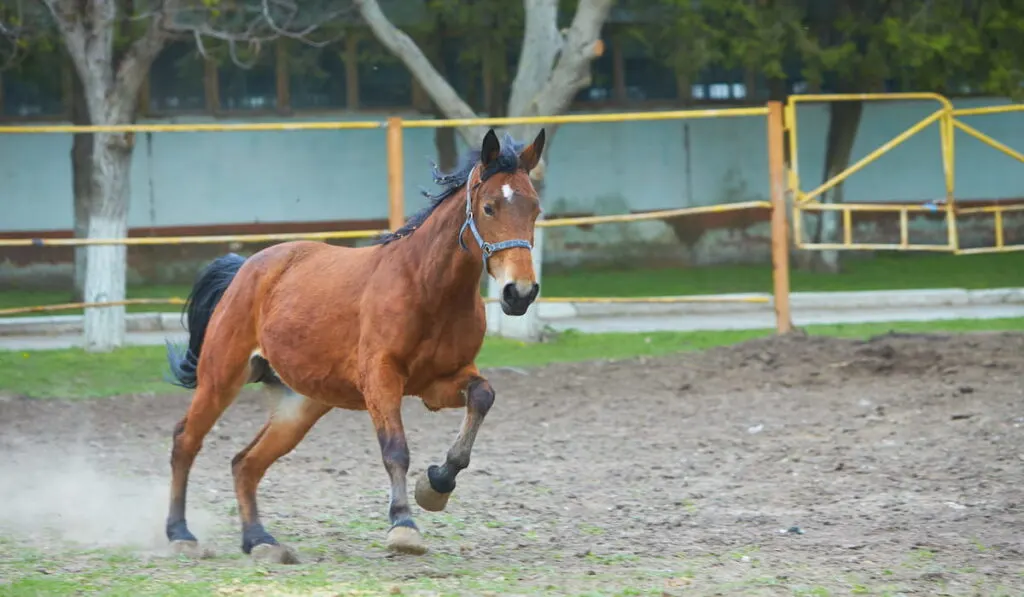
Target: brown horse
(359,328)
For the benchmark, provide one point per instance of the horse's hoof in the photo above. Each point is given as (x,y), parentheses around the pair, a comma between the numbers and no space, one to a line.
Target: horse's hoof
(273,554)
(406,540)
(190,549)
(427,498)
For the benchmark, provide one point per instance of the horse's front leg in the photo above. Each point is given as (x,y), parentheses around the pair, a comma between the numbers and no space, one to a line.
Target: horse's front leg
(476,394)
(383,393)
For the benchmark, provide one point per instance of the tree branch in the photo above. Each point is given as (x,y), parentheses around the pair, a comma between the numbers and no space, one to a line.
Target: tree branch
(259,26)
(572,71)
(137,61)
(541,44)
(403,47)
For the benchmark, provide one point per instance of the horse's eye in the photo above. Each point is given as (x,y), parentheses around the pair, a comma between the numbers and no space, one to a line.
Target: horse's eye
(489,210)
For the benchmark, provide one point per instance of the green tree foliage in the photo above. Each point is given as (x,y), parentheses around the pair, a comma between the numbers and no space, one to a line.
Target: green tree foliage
(845,46)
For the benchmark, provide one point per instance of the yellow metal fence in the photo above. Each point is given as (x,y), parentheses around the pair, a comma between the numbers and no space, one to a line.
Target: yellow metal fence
(782,122)
(394,127)
(948,120)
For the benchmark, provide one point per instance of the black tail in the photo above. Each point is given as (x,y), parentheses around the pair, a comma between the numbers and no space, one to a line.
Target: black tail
(206,293)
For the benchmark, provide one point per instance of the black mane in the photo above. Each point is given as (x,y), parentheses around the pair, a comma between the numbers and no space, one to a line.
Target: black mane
(508,161)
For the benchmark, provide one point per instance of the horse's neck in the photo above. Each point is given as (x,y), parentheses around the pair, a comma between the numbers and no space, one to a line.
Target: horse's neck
(444,266)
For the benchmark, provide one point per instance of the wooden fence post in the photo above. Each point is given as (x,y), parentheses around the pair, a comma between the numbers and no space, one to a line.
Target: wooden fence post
(396,183)
(780,224)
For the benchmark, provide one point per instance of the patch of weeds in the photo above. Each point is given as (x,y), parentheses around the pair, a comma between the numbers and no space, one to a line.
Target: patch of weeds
(611,559)
(689,506)
(811,592)
(41,585)
(744,552)
(445,520)
(590,529)
(120,558)
(363,526)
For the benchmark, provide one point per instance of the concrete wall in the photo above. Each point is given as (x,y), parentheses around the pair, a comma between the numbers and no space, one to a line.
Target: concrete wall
(189,179)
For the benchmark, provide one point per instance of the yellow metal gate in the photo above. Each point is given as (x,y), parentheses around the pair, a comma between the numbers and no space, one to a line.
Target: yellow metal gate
(947,119)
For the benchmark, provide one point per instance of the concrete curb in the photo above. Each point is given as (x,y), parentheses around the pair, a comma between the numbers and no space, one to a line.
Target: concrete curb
(868,299)
(171,323)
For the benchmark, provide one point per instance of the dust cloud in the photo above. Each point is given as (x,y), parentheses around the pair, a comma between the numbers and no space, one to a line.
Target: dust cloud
(48,496)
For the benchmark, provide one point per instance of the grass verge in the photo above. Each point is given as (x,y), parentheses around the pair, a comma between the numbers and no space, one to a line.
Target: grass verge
(892,271)
(74,373)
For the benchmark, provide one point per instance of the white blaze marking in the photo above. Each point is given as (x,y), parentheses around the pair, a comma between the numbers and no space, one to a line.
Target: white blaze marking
(507,192)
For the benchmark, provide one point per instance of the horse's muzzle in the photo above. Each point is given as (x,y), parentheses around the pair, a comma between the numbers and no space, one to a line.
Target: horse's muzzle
(516,298)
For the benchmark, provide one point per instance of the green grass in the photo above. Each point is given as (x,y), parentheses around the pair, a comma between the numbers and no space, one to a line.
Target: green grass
(73,373)
(892,271)
(337,574)
(94,573)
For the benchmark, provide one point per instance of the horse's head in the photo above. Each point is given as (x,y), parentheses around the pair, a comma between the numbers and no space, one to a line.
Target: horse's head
(504,208)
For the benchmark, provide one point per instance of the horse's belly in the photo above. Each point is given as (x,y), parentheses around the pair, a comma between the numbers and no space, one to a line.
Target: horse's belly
(336,393)
(320,379)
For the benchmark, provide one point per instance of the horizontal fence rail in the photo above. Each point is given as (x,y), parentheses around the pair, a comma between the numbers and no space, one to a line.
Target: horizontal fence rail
(587,118)
(69,306)
(187,240)
(198,127)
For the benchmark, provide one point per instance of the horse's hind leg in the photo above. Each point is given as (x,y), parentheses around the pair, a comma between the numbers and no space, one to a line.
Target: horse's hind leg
(470,389)
(294,417)
(215,391)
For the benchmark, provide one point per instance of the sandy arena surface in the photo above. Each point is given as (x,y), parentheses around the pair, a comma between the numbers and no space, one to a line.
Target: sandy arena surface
(896,465)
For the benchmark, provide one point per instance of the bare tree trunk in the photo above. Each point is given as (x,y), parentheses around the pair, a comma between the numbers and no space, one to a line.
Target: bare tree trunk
(81,171)
(444,137)
(447,150)
(106,265)
(844,120)
(110,89)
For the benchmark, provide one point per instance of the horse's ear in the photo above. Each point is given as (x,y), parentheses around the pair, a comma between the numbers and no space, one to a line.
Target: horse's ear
(490,150)
(530,157)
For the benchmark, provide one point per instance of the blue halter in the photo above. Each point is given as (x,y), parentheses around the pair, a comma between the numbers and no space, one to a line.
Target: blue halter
(487,248)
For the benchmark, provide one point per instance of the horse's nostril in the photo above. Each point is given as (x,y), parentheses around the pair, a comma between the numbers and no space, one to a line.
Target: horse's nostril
(513,293)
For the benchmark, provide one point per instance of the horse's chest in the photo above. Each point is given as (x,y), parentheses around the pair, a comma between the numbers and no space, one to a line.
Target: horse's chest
(452,347)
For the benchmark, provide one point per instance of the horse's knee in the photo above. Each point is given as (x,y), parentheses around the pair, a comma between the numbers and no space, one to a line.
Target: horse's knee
(480,395)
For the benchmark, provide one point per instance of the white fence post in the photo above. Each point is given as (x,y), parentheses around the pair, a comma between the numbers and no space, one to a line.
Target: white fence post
(527,327)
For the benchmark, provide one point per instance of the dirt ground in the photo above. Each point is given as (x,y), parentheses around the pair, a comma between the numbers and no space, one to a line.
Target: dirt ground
(805,465)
